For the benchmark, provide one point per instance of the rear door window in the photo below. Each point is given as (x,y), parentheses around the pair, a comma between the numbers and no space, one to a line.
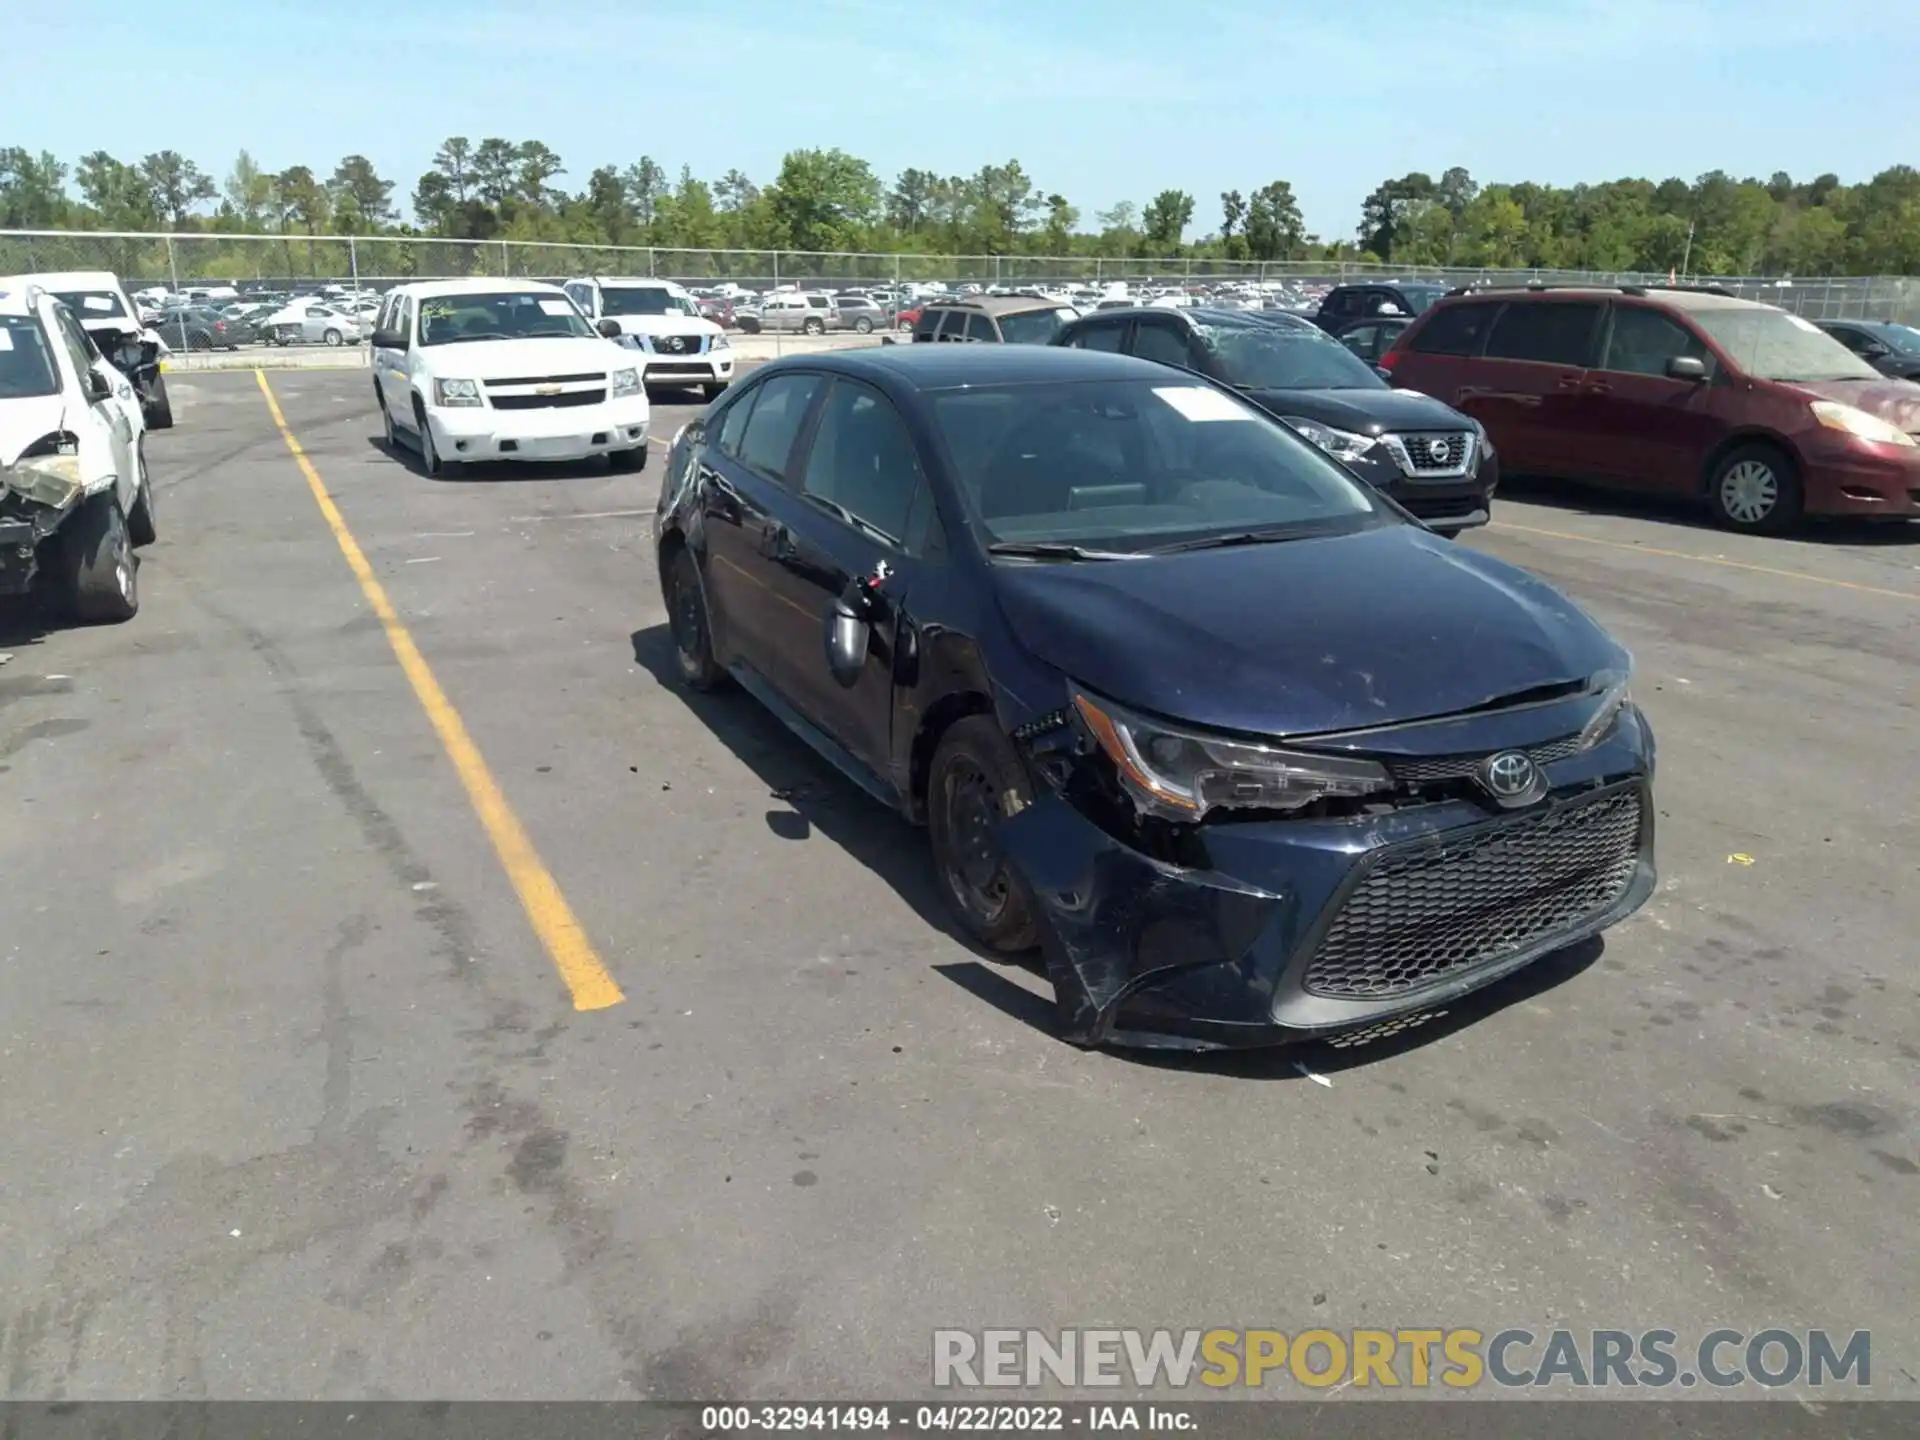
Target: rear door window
(778,412)
(1546,332)
(928,323)
(1161,343)
(1104,336)
(1454,330)
(980,328)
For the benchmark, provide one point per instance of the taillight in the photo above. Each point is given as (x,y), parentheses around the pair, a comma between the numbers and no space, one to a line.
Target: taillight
(1392,357)
(219,324)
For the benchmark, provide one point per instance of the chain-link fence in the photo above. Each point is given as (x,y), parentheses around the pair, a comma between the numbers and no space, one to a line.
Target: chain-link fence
(375,262)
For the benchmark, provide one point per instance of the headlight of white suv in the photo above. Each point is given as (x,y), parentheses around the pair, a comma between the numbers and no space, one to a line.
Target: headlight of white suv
(718,342)
(453,393)
(624,382)
(1182,774)
(1341,444)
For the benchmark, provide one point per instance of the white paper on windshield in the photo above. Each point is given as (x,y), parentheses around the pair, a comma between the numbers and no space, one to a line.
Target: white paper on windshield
(6,338)
(1196,402)
(1806,325)
(95,302)
(561,308)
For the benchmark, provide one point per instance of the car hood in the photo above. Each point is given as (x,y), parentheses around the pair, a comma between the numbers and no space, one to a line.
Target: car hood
(1895,401)
(514,359)
(664,325)
(1306,636)
(24,421)
(1364,412)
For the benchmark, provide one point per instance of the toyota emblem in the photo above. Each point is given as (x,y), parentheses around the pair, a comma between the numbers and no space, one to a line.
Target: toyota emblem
(1511,778)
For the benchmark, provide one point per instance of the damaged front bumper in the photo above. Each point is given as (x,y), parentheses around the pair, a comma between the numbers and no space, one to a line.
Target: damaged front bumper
(36,497)
(1336,928)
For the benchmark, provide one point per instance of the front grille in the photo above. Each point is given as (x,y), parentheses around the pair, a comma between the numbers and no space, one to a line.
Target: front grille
(1423,913)
(565,401)
(1427,769)
(545,380)
(1435,455)
(679,344)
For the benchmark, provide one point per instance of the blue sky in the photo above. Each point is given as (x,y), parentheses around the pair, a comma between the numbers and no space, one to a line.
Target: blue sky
(1101,100)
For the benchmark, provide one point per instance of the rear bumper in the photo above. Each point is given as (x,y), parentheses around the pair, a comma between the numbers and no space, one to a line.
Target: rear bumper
(1841,476)
(1337,929)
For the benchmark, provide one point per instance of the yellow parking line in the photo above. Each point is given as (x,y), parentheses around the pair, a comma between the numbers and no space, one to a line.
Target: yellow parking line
(1706,560)
(573,955)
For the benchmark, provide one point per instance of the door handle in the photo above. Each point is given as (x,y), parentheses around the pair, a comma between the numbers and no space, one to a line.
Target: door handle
(1599,387)
(1568,382)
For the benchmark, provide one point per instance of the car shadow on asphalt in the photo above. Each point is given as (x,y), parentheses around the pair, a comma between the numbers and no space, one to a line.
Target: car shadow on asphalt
(1578,499)
(806,795)
(496,472)
(809,796)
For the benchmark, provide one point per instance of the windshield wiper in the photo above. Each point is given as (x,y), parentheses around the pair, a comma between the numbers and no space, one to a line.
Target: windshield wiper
(1057,550)
(1271,535)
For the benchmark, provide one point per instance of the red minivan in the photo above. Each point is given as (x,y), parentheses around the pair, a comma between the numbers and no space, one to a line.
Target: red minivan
(1680,391)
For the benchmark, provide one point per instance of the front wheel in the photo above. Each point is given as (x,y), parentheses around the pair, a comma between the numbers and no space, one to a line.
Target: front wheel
(332,337)
(430,457)
(102,574)
(158,408)
(863,326)
(1756,488)
(749,326)
(687,616)
(627,461)
(975,783)
(814,326)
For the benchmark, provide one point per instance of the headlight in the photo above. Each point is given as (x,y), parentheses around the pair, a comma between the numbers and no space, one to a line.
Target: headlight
(452,393)
(1182,774)
(625,382)
(1341,444)
(1615,692)
(718,342)
(1858,423)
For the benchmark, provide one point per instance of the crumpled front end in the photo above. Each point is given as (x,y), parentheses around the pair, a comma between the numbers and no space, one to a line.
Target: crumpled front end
(1341,919)
(36,497)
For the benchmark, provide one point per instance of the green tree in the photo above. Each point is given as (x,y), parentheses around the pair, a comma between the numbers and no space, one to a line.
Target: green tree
(825,199)
(248,190)
(646,186)
(1165,220)
(1274,229)
(1380,212)
(535,167)
(495,171)
(32,190)
(176,185)
(356,186)
(454,162)
(116,192)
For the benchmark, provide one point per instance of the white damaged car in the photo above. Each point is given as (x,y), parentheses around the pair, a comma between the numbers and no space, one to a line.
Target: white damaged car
(467,370)
(74,494)
(678,346)
(119,329)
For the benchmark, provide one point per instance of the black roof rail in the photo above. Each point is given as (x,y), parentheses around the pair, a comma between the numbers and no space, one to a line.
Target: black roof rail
(1538,285)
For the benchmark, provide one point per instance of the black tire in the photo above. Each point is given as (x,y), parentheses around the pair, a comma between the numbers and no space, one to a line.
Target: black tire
(102,574)
(333,337)
(863,326)
(387,432)
(714,392)
(431,460)
(200,342)
(749,326)
(628,461)
(974,771)
(158,407)
(140,519)
(813,325)
(687,616)
(1756,488)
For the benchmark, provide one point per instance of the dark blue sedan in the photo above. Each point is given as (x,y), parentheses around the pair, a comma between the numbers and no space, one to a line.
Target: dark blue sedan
(1249,753)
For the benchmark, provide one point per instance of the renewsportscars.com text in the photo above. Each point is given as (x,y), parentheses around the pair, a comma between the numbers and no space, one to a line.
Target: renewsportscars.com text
(1459,1359)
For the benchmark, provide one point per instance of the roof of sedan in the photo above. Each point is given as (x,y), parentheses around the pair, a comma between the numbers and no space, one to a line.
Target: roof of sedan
(949,367)
(1216,315)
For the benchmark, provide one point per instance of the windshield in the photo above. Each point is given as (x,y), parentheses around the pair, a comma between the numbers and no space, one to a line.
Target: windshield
(1285,357)
(1419,297)
(505,315)
(1132,464)
(1034,327)
(643,300)
(92,304)
(1773,345)
(26,364)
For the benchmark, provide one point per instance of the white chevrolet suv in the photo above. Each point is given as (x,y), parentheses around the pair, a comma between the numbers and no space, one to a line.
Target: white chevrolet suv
(676,345)
(468,370)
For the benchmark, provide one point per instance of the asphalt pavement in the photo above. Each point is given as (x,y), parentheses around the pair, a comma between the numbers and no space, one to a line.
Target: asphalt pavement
(299,898)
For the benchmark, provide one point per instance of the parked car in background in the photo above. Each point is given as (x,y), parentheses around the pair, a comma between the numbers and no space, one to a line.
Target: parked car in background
(793,312)
(114,324)
(1009,320)
(1180,701)
(1346,303)
(1370,339)
(467,370)
(1891,349)
(1689,392)
(74,495)
(674,343)
(311,322)
(1434,461)
(858,313)
(198,327)
(718,309)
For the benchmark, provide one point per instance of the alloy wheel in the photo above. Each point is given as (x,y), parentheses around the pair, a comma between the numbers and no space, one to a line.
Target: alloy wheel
(974,871)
